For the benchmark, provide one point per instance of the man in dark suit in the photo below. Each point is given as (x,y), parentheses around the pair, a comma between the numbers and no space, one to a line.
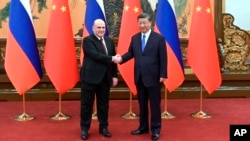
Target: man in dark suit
(148,48)
(98,74)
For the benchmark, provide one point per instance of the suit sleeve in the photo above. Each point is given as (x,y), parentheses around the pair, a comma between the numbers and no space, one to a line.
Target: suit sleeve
(128,55)
(114,66)
(163,57)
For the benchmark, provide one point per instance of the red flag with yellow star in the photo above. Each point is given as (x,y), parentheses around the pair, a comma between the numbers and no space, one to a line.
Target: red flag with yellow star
(60,56)
(131,10)
(202,54)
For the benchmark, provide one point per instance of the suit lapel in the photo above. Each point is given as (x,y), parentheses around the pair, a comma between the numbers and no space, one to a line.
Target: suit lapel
(138,43)
(99,44)
(107,44)
(150,41)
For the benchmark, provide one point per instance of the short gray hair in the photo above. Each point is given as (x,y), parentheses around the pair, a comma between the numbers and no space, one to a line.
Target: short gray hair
(144,15)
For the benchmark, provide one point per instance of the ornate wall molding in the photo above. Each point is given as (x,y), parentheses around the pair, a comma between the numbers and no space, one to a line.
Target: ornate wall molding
(236,45)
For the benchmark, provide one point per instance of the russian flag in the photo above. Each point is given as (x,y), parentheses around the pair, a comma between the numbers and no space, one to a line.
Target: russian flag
(167,26)
(94,10)
(22,62)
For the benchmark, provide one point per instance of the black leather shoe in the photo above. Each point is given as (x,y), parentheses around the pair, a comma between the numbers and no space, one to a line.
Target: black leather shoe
(155,137)
(138,132)
(105,132)
(84,135)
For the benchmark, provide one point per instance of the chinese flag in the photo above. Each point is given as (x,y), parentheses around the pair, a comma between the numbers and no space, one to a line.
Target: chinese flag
(202,55)
(131,10)
(60,56)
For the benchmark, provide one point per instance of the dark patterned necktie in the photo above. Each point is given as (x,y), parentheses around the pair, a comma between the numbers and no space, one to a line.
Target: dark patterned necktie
(103,45)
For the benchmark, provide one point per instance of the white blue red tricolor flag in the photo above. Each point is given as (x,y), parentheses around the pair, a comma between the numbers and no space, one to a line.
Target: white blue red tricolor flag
(94,10)
(167,26)
(22,62)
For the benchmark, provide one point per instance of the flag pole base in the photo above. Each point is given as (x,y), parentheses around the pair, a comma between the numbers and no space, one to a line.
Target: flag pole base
(94,115)
(24,117)
(130,115)
(200,114)
(167,115)
(60,116)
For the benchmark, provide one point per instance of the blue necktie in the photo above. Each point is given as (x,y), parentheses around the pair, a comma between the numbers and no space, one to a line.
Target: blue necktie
(143,42)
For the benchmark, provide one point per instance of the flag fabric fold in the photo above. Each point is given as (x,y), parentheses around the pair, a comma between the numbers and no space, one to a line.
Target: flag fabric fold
(94,10)
(167,26)
(22,62)
(202,54)
(60,60)
(131,10)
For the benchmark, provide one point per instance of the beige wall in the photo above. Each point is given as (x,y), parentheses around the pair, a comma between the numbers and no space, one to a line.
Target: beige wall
(188,13)
(77,9)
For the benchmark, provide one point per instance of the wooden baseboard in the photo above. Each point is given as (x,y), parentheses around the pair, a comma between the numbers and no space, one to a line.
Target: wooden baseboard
(234,85)
(124,93)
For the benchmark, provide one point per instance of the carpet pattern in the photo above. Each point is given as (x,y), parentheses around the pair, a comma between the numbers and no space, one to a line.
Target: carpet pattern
(182,128)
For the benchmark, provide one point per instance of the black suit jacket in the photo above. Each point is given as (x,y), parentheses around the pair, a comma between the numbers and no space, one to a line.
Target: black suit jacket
(96,63)
(151,64)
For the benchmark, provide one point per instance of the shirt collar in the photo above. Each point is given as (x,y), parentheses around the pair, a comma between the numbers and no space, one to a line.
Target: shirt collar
(99,38)
(146,34)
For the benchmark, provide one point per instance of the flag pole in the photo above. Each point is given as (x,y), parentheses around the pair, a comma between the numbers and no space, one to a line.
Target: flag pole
(165,114)
(24,116)
(130,114)
(200,114)
(60,115)
(94,115)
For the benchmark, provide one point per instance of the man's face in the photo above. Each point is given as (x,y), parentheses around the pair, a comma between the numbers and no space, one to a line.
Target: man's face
(144,24)
(99,28)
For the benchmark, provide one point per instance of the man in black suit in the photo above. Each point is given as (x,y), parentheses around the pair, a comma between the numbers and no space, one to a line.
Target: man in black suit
(148,48)
(98,74)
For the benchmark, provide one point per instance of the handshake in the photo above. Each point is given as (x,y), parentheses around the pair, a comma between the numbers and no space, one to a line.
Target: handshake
(117,59)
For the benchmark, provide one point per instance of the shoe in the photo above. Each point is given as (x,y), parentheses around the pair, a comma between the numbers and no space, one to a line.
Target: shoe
(105,132)
(155,137)
(84,135)
(138,132)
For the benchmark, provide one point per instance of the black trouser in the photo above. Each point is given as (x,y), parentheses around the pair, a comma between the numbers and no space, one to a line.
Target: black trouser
(153,95)
(88,93)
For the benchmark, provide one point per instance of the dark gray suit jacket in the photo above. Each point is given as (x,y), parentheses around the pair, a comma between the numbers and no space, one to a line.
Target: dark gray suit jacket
(95,62)
(151,64)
